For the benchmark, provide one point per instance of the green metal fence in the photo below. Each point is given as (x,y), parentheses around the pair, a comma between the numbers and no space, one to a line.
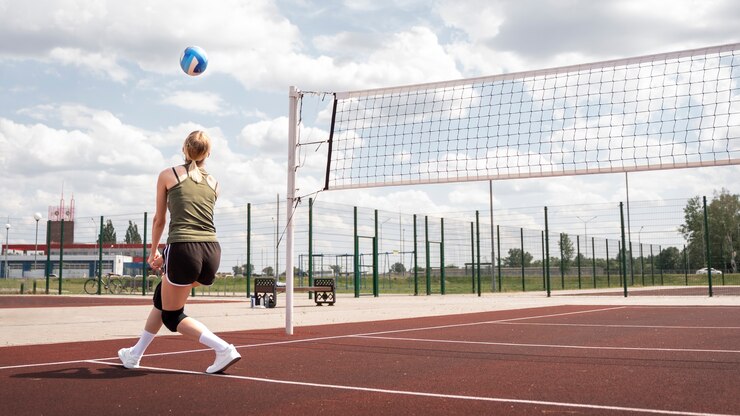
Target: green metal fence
(673,246)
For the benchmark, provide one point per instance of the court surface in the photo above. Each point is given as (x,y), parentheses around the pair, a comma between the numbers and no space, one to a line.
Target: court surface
(565,359)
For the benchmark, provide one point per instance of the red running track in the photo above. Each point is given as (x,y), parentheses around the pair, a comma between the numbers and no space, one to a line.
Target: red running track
(599,360)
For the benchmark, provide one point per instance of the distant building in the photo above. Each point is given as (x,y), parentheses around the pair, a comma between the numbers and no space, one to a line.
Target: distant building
(80,260)
(62,218)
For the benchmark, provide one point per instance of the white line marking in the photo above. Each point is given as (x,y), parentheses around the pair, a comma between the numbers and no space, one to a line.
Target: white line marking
(427,394)
(10,367)
(491,322)
(580,347)
(623,326)
(269,344)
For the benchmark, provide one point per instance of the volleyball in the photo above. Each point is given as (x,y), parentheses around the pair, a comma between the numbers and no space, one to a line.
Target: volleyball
(193,60)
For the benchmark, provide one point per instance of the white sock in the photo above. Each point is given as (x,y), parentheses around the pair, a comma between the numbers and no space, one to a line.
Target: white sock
(212,340)
(144,341)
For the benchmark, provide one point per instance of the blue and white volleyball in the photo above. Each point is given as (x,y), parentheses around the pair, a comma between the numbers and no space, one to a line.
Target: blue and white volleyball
(193,60)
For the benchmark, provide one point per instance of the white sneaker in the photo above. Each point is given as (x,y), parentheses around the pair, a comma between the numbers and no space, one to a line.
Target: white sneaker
(224,360)
(128,359)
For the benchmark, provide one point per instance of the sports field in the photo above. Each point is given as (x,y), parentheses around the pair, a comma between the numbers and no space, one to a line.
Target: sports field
(515,354)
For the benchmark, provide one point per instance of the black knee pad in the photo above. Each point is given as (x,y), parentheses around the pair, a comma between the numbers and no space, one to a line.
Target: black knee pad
(157,298)
(171,319)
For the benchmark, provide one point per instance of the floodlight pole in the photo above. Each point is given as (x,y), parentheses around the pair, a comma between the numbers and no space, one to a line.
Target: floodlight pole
(7,243)
(293,97)
(585,230)
(37,216)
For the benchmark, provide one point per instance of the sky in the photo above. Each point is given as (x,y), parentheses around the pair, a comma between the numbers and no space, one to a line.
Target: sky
(93,102)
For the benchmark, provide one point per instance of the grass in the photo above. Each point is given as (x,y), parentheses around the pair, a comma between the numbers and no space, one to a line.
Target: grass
(397,284)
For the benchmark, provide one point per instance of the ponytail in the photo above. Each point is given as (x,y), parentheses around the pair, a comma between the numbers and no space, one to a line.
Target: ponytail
(194,172)
(196,148)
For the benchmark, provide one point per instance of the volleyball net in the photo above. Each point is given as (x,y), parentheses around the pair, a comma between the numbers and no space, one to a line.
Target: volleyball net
(663,111)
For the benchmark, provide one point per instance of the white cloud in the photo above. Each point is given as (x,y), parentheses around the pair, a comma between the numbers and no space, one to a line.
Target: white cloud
(200,102)
(521,36)
(266,136)
(98,63)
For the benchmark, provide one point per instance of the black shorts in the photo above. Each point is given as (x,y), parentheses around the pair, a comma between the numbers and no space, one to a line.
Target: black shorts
(185,263)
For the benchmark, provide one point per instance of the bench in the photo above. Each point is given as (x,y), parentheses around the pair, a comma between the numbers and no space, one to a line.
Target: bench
(266,290)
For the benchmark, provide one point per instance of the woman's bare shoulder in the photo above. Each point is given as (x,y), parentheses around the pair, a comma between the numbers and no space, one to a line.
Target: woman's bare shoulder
(168,177)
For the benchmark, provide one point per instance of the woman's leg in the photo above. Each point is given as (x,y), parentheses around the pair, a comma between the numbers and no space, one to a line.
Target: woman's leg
(173,301)
(153,321)
(130,357)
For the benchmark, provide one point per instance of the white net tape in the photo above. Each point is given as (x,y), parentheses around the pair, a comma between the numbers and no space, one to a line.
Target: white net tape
(664,111)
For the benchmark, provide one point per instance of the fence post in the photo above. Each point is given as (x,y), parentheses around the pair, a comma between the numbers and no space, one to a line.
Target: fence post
(642,264)
(686,265)
(652,266)
(427,272)
(578,258)
(707,249)
(100,255)
(593,260)
(547,256)
(660,252)
(562,263)
(477,242)
(442,257)
(521,244)
(61,256)
(144,271)
(357,258)
(416,262)
(632,265)
(48,267)
(498,257)
(624,250)
(310,245)
(542,240)
(608,273)
(375,257)
(249,250)
(472,258)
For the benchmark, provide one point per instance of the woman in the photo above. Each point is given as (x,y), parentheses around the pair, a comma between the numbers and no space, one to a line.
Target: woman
(191,256)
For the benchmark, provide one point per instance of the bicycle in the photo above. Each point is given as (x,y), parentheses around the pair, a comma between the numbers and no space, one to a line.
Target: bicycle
(111,283)
(132,284)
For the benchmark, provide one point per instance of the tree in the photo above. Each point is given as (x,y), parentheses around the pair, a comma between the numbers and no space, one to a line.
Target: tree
(566,248)
(242,270)
(669,259)
(723,216)
(337,269)
(515,258)
(398,268)
(132,234)
(108,234)
(268,271)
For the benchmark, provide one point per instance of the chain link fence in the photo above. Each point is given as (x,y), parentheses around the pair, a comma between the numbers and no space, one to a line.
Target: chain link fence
(370,252)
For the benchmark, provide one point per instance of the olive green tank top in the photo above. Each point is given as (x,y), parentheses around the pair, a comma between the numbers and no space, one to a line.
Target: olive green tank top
(191,210)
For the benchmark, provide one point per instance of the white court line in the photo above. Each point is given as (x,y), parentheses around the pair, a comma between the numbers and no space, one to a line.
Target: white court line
(577,347)
(432,395)
(269,344)
(491,322)
(623,326)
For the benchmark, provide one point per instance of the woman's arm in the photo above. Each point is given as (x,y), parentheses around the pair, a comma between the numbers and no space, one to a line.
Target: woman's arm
(159,220)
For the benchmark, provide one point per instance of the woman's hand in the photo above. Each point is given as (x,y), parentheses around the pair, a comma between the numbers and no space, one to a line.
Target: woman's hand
(156,261)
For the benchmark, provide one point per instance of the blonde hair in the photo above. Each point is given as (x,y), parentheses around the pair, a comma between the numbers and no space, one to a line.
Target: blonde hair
(196,149)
